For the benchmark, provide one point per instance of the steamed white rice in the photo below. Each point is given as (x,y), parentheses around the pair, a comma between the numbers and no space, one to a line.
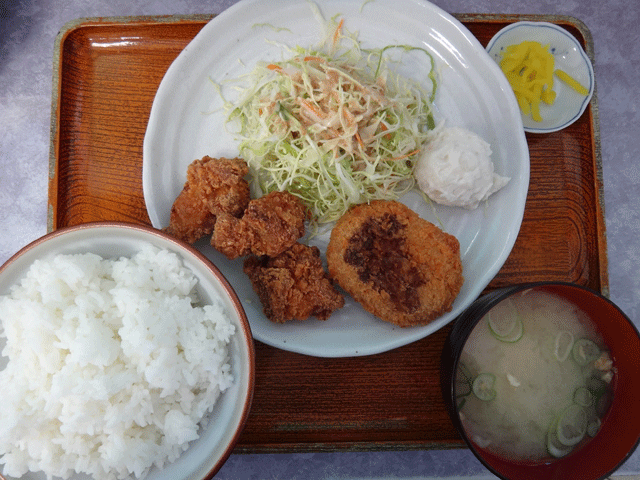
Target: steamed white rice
(111,365)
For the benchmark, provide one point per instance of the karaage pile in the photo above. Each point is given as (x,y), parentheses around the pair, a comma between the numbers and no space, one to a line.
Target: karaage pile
(293,285)
(214,186)
(269,226)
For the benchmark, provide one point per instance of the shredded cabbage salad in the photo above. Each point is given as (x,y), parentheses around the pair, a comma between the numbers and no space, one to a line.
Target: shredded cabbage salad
(334,126)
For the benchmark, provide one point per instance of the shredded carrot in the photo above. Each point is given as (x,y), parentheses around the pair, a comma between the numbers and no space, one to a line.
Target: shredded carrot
(336,35)
(272,66)
(384,128)
(314,59)
(359,139)
(312,108)
(406,155)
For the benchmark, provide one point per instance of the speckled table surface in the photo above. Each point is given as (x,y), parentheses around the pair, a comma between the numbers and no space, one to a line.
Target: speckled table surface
(27,32)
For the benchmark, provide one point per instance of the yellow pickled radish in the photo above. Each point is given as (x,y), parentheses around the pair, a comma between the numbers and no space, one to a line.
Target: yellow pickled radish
(529,68)
(549,96)
(572,82)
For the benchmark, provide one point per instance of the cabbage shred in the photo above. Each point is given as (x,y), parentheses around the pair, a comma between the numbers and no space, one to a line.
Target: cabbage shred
(333,126)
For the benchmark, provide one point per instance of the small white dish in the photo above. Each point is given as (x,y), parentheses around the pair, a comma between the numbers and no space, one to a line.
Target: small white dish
(569,56)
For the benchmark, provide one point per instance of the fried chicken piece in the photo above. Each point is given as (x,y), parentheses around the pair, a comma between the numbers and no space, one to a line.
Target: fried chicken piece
(293,285)
(400,267)
(214,186)
(270,225)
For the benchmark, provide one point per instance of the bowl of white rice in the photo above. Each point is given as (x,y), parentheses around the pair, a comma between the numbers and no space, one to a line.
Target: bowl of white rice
(125,354)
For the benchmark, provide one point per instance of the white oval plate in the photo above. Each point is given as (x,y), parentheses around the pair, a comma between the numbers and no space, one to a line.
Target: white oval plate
(569,56)
(187,122)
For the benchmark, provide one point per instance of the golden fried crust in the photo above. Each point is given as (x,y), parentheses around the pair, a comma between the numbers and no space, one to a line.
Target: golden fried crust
(269,226)
(293,285)
(400,267)
(213,186)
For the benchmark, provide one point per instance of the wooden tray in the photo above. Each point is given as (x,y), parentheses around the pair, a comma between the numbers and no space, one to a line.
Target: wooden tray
(106,72)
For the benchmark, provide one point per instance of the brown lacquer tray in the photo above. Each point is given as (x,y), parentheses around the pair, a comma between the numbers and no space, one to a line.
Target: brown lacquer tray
(106,73)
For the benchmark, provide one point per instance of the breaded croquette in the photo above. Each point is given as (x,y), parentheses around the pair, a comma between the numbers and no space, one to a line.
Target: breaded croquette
(293,285)
(270,225)
(214,186)
(400,267)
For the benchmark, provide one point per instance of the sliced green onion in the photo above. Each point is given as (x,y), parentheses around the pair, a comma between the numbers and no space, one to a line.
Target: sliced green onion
(505,323)
(564,344)
(483,386)
(593,427)
(585,351)
(463,381)
(516,333)
(572,425)
(554,447)
(583,397)
(501,321)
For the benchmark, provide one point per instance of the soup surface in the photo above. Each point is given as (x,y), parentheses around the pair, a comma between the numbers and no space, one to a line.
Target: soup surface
(534,379)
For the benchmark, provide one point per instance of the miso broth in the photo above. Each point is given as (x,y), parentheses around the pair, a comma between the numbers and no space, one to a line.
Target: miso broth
(534,379)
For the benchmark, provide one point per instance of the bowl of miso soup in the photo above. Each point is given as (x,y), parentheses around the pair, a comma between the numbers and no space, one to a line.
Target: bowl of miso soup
(543,382)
